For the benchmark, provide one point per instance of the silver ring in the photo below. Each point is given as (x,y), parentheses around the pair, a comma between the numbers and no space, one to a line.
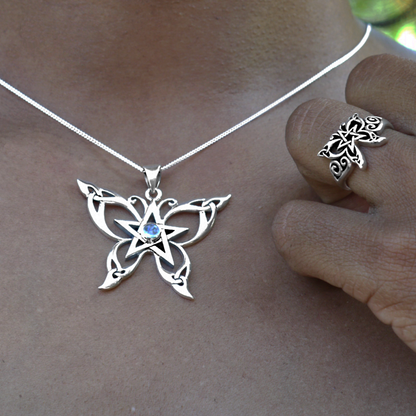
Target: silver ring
(342,148)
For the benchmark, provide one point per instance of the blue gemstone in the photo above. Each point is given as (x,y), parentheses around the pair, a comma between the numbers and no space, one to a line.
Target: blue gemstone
(151,231)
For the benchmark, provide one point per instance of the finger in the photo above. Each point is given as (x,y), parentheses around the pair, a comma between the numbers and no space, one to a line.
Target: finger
(385,85)
(389,167)
(304,142)
(334,244)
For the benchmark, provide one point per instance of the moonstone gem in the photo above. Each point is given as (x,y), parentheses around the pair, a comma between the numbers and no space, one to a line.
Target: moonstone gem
(151,231)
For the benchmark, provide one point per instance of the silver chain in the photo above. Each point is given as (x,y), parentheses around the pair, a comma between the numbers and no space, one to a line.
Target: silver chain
(203,146)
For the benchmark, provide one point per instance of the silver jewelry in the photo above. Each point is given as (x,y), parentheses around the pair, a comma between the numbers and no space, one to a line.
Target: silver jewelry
(148,231)
(342,148)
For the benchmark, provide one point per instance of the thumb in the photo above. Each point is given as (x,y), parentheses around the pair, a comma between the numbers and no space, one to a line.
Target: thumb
(334,244)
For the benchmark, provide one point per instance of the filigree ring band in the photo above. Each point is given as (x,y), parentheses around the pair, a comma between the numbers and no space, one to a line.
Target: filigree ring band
(342,148)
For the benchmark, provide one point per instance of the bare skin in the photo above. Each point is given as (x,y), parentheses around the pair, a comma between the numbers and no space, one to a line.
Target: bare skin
(154,80)
(373,258)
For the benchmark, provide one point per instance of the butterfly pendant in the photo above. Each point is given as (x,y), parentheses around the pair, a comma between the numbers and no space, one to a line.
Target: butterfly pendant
(149,232)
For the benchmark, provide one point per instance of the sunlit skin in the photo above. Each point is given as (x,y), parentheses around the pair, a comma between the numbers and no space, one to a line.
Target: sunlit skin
(154,80)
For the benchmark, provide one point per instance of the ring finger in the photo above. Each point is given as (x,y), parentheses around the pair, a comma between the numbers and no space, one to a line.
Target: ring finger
(310,128)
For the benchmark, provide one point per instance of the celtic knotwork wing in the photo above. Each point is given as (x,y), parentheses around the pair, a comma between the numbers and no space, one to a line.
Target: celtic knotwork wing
(149,232)
(342,147)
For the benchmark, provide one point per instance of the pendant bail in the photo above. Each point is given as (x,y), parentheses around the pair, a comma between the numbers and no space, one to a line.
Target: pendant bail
(152,176)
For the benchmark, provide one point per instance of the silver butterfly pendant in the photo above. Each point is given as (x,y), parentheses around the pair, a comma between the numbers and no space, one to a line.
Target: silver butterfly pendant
(150,232)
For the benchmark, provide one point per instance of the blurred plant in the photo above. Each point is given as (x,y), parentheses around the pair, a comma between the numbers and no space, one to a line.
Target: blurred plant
(396,18)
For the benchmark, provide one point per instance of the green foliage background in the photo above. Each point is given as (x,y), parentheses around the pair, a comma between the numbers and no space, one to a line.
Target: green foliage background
(396,18)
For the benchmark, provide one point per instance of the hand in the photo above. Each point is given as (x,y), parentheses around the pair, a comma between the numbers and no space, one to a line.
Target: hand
(363,240)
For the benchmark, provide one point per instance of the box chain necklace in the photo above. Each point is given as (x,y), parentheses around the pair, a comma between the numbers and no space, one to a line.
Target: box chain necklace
(148,231)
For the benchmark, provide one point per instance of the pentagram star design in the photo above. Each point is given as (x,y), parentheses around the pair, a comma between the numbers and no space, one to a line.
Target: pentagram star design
(342,148)
(160,246)
(150,233)
(350,138)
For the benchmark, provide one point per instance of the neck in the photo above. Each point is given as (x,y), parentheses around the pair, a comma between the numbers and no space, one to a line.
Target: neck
(109,46)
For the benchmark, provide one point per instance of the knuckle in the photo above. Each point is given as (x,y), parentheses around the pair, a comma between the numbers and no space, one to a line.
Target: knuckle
(373,62)
(373,74)
(398,253)
(359,288)
(301,123)
(399,160)
(284,226)
(391,265)
(293,232)
(369,66)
